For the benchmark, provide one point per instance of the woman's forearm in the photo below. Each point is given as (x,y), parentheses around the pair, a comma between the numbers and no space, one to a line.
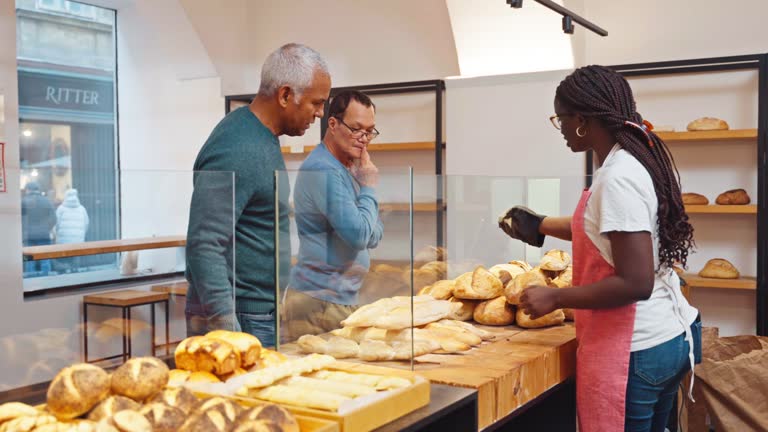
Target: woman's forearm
(559,227)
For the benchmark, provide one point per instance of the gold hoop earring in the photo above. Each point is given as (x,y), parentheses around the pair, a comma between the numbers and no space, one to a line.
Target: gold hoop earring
(580,134)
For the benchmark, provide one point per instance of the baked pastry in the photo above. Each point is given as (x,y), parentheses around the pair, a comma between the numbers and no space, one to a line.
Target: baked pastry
(457,333)
(198,353)
(440,290)
(556,317)
(180,398)
(478,285)
(268,376)
(397,312)
(111,405)
(496,312)
(464,311)
(691,198)
(376,350)
(131,421)
(419,347)
(140,378)
(506,272)
(522,264)
(564,279)
(177,377)
(514,290)
(207,421)
(288,395)
(163,418)
(351,390)
(248,346)
(77,389)
(379,382)
(555,260)
(707,123)
(228,408)
(11,410)
(203,377)
(28,423)
(483,334)
(270,358)
(719,268)
(733,197)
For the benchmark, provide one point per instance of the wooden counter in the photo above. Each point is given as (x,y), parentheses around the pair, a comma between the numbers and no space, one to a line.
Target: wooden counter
(513,369)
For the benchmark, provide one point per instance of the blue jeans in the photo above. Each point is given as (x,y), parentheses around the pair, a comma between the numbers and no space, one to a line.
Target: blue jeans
(260,325)
(37,268)
(654,377)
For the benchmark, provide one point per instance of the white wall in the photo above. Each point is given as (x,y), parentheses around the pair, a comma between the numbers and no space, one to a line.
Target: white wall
(658,30)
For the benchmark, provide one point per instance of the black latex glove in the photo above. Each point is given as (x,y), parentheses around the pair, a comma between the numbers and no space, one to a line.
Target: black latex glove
(523,224)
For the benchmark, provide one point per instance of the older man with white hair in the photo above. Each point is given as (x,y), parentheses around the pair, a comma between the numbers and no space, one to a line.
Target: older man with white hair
(295,85)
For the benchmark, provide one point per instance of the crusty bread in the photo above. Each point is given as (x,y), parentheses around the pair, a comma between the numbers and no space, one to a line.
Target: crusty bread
(180,398)
(733,197)
(177,377)
(496,312)
(77,389)
(111,405)
(556,317)
(248,346)
(478,285)
(440,290)
(131,421)
(228,408)
(555,260)
(438,267)
(163,418)
(463,312)
(276,414)
(691,198)
(376,350)
(707,123)
(140,378)
(564,279)
(207,421)
(29,423)
(719,268)
(515,289)
(11,410)
(201,376)
(198,353)
(506,272)
(270,358)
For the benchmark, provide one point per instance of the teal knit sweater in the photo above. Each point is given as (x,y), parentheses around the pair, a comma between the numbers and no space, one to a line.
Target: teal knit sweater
(236,175)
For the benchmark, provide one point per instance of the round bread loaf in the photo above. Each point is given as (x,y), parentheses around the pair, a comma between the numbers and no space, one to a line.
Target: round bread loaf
(77,389)
(719,268)
(203,377)
(180,398)
(271,413)
(199,353)
(270,358)
(140,378)
(177,377)
(131,421)
(163,418)
(207,421)
(111,405)
(257,426)
(496,312)
(733,197)
(555,260)
(229,409)
(691,198)
(514,290)
(247,345)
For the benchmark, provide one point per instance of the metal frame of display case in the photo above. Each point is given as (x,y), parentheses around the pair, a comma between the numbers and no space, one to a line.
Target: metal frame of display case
(436,86)
(757,62)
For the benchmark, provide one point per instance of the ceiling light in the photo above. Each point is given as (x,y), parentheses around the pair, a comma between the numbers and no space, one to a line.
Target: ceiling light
(27,133)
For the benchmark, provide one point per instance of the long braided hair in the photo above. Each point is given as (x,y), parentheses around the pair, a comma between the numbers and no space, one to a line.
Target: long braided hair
(600,93)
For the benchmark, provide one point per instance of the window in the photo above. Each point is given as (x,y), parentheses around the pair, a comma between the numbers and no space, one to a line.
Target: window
(67,123)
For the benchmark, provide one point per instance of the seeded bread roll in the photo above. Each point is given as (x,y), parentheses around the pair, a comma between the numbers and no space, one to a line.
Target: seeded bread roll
(111,405)
(276,414)
(199,353)
(163,418)
(180,398)
(247,345)
(77,389)
(140,378)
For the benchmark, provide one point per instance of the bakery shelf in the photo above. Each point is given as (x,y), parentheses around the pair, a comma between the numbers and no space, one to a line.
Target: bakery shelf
(744,283)
(378,147)
(718,135)
(423,207)
(721,209)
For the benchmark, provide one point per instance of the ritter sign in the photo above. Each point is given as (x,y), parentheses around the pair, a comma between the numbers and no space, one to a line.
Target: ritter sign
(40,90)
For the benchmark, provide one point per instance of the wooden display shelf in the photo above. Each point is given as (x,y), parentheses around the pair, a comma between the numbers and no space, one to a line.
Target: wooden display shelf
(743,283)
(423,207)
(719,135)
(32,253)
(721,209)
(378,147)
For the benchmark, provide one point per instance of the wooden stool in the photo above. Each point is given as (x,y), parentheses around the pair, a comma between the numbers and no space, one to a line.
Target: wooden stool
(126,299)
(174,289)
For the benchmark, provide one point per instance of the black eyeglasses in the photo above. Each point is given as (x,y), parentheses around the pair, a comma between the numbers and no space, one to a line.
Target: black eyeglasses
(555,119)
(360,133)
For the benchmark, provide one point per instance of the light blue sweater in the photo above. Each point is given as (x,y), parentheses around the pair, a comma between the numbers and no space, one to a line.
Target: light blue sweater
(338,221)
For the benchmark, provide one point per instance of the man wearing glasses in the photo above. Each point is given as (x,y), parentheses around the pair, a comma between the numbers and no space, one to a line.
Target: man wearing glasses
(337,216)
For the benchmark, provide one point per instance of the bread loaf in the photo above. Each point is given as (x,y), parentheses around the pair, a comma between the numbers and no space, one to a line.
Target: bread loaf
(177,377)
(131,421)
(691,198)
(28,423)
(247,345)
(11,410)
(564,279)
(514,290)
(440,290)
(203,377)
(207,421)
(77,389)
(228,408)
(483,334)
(257,426)
(719,268)
(478,285)
(733,197)
(270,358)
(707,123)
(180,398)
(300,397)
(163,418)
(506,272)
(553,318)
(376,350)
(440,268)
(111,405)
(496,312)
(464,310)
(555,260)
(140,378)
(199,353)
(312,344)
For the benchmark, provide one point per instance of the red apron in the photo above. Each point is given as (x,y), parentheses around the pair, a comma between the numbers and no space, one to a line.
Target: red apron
(605,338)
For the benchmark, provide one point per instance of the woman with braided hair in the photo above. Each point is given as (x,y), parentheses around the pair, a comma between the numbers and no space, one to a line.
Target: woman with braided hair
(637,334)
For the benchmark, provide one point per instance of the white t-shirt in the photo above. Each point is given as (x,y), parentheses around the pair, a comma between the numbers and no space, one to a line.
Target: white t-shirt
(623,199)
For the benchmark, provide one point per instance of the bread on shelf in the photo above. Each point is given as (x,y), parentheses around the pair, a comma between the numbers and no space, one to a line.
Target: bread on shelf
(707,124)
(248,345)
(140,378)
(478,285)
(76,389)
(691,198)
(719,268)
(514,290)
(556,317)
(733,197)
(555,260)
(495,312)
